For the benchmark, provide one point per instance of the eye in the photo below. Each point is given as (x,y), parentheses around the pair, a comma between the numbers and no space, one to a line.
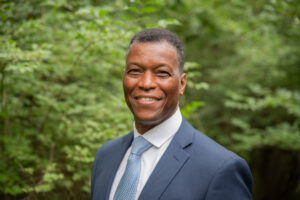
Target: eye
(134,71)
(163,74)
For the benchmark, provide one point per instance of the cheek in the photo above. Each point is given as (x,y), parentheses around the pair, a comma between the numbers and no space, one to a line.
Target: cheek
(171,89)
(128,85)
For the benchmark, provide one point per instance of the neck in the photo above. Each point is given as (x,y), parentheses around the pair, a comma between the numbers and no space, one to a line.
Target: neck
(144,126)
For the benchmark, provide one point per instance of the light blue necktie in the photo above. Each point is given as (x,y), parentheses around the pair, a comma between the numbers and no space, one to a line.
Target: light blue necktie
(126,189)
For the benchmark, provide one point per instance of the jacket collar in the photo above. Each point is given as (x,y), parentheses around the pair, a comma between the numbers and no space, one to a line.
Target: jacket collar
(166,169)
(170,163)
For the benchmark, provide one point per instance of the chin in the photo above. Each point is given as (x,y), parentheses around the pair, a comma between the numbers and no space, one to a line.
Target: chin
(148,122)
(148,119)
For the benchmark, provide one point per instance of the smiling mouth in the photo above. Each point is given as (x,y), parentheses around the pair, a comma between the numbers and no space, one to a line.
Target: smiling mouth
(147,99)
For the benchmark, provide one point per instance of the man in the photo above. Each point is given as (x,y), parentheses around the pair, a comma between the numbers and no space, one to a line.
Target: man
(164,157)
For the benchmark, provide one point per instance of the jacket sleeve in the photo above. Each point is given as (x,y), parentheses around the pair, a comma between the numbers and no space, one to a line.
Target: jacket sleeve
(93,176)
(232,181)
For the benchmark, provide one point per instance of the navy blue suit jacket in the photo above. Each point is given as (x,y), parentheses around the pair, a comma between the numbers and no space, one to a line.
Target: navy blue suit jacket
(193,167)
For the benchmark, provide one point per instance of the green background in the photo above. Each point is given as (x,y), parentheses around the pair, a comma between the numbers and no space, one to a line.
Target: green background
(61,97)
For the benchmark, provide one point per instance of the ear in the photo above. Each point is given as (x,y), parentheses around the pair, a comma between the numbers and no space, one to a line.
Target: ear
(182,83)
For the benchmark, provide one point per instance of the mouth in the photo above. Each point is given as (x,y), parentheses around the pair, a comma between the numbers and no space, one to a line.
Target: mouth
(143,99)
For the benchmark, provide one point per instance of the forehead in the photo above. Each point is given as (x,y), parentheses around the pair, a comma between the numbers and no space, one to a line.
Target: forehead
(151,52)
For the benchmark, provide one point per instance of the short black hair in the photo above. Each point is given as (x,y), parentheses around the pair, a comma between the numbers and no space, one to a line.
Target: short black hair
(158,35)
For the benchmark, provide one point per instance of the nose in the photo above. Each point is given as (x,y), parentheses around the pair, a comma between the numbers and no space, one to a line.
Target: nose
(147,81)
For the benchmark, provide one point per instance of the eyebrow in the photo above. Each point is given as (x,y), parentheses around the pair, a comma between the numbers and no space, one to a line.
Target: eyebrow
(133,63)
(157,66)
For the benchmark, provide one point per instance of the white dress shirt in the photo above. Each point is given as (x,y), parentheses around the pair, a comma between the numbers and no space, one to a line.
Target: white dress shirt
(160,137)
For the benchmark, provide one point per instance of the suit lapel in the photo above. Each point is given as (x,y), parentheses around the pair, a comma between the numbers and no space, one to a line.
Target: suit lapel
(170,163)
(116,158)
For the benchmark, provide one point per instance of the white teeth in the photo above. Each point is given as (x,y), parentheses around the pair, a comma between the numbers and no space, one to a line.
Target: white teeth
(146,99)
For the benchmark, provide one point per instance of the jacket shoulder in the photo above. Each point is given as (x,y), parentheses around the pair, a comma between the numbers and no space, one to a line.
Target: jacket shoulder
(205,151)
(104,151)
(212,147)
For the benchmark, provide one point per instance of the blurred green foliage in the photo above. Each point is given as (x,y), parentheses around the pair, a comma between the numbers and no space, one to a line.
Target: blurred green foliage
(61,66)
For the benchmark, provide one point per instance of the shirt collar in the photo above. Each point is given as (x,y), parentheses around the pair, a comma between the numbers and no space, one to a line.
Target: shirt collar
(160,134)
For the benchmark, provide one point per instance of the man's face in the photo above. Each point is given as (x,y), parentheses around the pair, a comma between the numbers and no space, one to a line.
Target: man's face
(152,83)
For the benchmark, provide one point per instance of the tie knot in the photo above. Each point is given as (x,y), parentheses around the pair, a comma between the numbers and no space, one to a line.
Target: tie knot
(140,145)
